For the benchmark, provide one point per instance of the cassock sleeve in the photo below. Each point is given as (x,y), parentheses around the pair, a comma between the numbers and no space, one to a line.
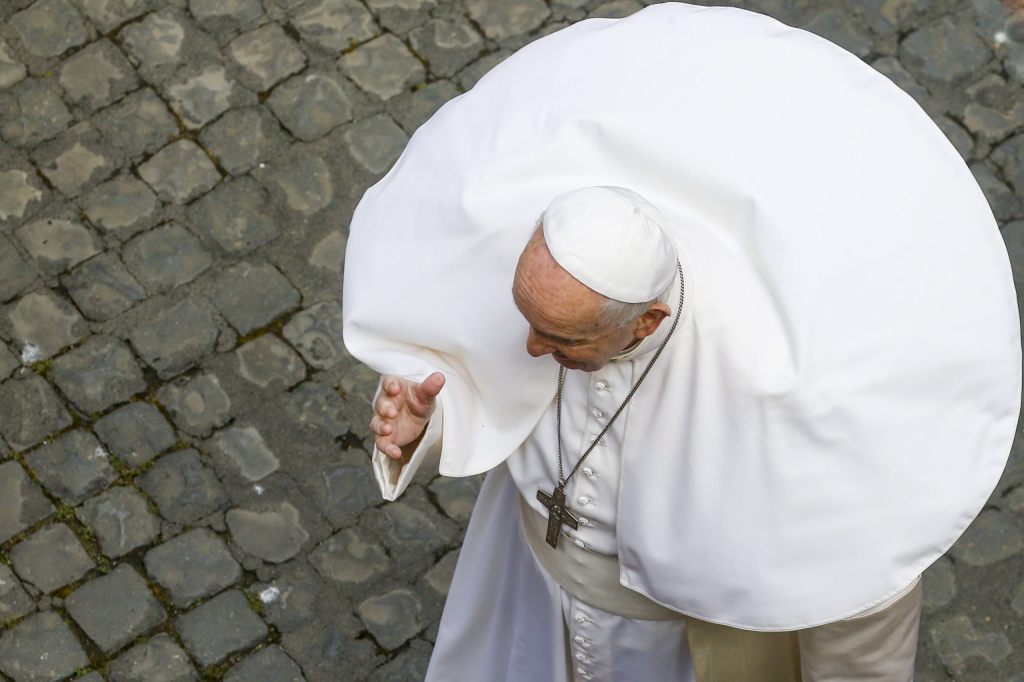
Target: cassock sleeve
(392,477)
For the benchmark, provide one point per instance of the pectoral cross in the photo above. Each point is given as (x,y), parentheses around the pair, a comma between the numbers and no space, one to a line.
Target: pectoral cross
(557,513)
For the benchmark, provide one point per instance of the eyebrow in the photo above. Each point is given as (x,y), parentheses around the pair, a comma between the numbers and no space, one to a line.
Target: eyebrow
(562,339)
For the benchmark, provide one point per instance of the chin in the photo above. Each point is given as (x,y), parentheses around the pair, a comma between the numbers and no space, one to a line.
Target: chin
(581,366)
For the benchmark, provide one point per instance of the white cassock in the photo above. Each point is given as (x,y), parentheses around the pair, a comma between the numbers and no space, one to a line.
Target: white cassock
(839,399)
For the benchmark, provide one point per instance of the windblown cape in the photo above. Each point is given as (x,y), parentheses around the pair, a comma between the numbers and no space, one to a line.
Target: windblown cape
(841,395)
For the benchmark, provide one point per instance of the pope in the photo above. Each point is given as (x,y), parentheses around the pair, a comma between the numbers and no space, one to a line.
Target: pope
(737,380)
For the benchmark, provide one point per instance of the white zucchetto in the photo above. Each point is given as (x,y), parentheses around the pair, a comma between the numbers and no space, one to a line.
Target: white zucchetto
(612,240)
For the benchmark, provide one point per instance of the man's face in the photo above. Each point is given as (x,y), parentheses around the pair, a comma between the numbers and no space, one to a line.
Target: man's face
(563,314)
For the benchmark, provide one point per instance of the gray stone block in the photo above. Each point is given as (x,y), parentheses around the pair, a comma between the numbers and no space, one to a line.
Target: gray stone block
(57,245)
(42,324)
(106,15)
(957,641)
(73,467)
(48,28)
(193,565)
(939,585)
(138,124)
(198,405)
(180,172)
(401,16)
(32,111)
(269,664)
(183,488)
(316,333)
(266,361)
(303,179)
(329,253)
(31,411)
(274,535)
(220,627)
(15,274)
(383,67)
(156,41)
(202,96)
(410,664)
(990,538)
(156,660)
(342,488)
(267,56)
(241,451)
(311,104)
(1010,157)
(333,25)
(235,216)
(98,374)
(241,138)
(412,109)
(316,406)
(102,287)
(115,608)
(19,190)
(447,44)
(96,76)
(392,618)
(221,15)
(500,19)
(14,600)
(439,577)
(120,206)
(166,257)
(253,296)
(350,558)
(176,339)
(375,142)
(945,50)
(136,433)
(456,496)
(75,161)
(121,521)
(51,558)
(40,648)
(11,70)
(22,503)
(9,363)
(332,649)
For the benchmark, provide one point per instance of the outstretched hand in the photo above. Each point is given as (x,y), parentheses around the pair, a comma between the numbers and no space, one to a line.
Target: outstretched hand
(402,411)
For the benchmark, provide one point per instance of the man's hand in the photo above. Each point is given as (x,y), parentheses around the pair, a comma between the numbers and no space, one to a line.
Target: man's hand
(401,413)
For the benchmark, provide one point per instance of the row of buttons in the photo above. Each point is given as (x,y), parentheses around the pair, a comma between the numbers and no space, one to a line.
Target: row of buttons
(581,641)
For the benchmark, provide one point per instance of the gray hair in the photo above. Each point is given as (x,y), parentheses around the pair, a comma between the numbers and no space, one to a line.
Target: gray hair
(619,314)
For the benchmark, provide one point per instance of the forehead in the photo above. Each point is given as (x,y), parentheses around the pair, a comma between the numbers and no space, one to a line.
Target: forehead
(551,299)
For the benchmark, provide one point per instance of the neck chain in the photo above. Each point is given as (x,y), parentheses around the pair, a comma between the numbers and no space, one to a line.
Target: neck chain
(558,513)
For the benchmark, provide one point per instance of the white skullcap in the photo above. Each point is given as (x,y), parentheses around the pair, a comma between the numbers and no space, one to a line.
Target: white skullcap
(612,240)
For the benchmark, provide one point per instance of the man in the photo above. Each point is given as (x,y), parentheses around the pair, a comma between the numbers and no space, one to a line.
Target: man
(829,309)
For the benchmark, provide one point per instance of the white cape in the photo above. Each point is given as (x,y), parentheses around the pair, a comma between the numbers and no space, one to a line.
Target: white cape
(840,398)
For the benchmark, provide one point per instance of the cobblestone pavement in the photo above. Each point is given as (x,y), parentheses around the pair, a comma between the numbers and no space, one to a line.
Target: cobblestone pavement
(184,489)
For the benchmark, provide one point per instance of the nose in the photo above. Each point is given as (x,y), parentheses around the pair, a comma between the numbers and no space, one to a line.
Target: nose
(536,347)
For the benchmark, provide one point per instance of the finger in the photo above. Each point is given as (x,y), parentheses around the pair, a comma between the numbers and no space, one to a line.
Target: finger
(430,387)
(388,386)
(389,449)
(386,408)
(381,427)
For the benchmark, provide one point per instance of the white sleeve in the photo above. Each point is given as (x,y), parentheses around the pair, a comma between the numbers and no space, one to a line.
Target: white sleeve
(392,477)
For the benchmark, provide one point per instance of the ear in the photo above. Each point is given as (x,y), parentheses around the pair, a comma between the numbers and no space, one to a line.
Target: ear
(648,323)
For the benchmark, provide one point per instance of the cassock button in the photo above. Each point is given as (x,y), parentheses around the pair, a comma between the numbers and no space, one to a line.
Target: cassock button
(581,640)
(598,414)
(583,499)
(584,521)
(601,386)
(579,543)
(579,617)
(582,658)
(587,471)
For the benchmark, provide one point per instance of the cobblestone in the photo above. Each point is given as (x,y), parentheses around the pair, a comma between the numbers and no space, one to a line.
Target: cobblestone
(241,450)
(447,44)
(267,56)
(266,360)
(32,111)
(166,257)
(304,180)
(51,558)
(991,538)
(98,374)
(310,105)
(501,19)
(135,433)
(41,647)
(220,627)
(15,274)
(57,245)
(121,521)
(176,339)
(274,535)
(202,97)
(179,172)
(392,618)
(241,138)
(48,28)
(102,288)
(234,217)
(155,41)
(156,660)
(43,324)
(316,333)
(96,76)
(184,489)
(116,608)
(198,405)
(31,411)
(17,191)
(120,205)
(73,467)
(251,296)
(138,124)
(375,142)
(269,664)
(22,502)
(193,565)
(75,161)
(383,67)
(334,25)
(14,600)
(350,558)
(11,70)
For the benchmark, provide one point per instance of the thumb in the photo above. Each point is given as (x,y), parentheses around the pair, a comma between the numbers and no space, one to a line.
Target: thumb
(430,387)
